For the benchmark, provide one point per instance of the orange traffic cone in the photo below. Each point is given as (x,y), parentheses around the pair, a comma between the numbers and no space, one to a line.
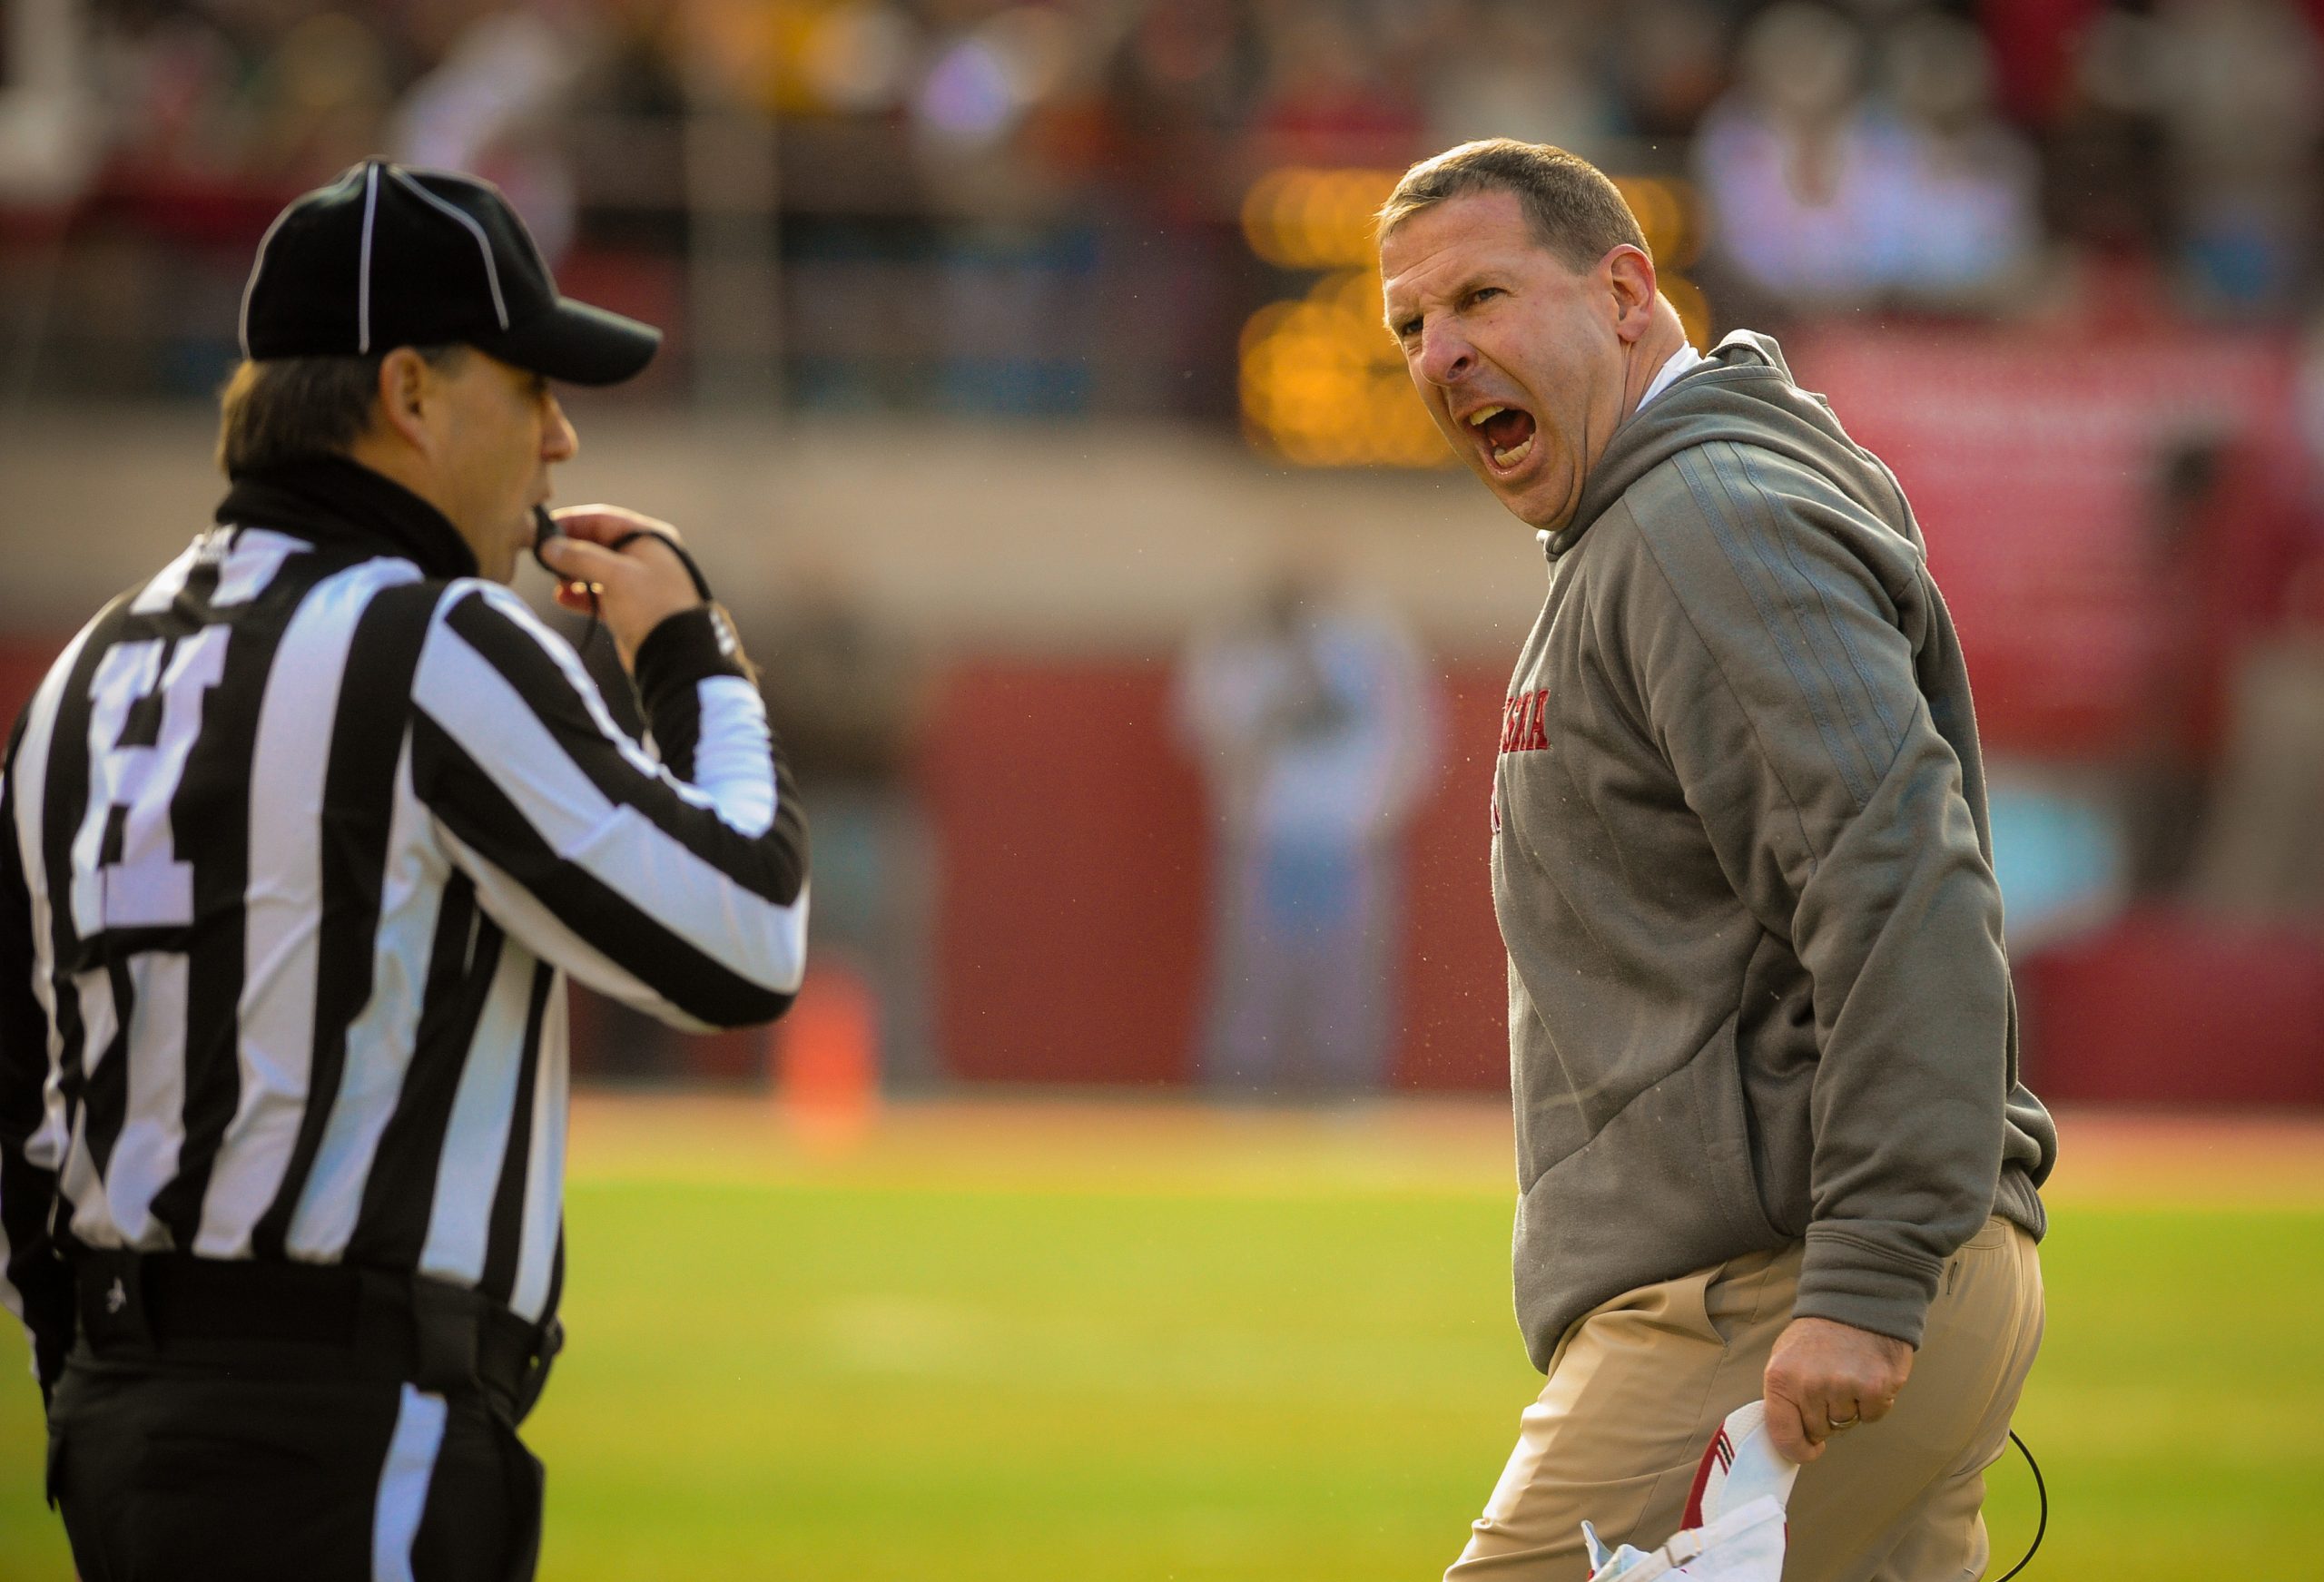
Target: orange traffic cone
(827,1058)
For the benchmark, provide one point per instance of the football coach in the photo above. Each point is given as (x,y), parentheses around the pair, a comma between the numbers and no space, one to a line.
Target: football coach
(300,841)
(1770,1137)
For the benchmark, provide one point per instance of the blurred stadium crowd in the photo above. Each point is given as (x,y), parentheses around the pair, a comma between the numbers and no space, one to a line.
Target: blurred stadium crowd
(2000,159)
(2060,261)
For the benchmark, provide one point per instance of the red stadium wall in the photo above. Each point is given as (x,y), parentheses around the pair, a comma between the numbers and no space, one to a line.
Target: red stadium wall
(1069,923)
(2168,1008)
(1074,908)
(2032,462)
(1455,1000)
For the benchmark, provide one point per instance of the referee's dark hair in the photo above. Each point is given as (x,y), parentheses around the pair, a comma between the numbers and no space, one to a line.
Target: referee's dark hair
(1571,206)
(282,409)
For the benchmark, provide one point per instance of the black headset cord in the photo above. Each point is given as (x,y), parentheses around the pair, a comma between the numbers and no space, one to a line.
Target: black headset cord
(2042,1492)
(700,584)
(545,528)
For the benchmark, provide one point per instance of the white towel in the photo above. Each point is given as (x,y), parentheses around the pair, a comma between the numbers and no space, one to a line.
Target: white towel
(1735,1514)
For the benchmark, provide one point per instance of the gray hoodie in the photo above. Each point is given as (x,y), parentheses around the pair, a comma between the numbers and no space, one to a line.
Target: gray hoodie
(1757,986)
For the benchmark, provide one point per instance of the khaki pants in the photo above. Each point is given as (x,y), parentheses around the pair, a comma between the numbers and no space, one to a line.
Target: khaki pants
(1638,1385)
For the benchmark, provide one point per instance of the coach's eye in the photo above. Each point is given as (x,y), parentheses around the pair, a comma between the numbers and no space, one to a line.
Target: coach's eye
(1485,292)
(1407,329)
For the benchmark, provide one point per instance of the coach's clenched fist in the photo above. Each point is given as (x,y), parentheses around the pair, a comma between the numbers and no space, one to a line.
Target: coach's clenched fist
(1824,1378)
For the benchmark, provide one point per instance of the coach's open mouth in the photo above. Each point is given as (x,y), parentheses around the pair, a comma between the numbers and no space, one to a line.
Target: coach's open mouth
(1507,434)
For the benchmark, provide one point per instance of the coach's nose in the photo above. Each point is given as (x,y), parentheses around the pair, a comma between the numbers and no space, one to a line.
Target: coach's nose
(1446,357)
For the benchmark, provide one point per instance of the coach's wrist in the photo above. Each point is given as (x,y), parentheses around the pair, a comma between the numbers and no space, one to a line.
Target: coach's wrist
(1845,1278)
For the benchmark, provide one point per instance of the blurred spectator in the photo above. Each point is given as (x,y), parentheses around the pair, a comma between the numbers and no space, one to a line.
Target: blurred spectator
(1180,88)
(2231,546)
(2034,44)
(1008,268)
(850,711)
(2104,175)
(1333,96)
(640,69)
(172,87)
(2242,101)
(1522,69)
(489,109)
(1000,156)
(48,132)
(1826,195)
(2168,780)
(1316,724)
(984,87)
(2308,409)
(1807,182)
(197,100)
(1969,206)
(324,93)
(1671,57)
(2259,857)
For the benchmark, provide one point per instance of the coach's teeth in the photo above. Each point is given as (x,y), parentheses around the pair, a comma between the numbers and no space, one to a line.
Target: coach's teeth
(1479,420)
(1514,454)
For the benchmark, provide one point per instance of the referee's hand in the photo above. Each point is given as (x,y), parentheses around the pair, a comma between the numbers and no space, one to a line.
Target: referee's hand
(637,587)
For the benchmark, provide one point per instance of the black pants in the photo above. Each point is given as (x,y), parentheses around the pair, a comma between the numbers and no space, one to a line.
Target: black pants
(255,1465)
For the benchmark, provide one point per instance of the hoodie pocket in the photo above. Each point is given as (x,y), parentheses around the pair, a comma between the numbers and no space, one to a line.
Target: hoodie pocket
(1723,1116)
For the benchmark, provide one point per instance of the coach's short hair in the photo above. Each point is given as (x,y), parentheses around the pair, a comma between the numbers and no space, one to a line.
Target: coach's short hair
(294,408)
(1572,209)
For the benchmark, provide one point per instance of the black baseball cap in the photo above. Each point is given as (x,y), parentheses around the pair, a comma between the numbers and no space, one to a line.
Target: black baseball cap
(387,256)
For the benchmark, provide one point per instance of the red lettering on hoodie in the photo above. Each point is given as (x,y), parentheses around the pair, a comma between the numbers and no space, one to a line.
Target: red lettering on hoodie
(1524,721)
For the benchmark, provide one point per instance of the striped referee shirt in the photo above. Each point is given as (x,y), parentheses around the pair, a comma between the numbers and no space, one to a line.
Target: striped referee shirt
(297,842)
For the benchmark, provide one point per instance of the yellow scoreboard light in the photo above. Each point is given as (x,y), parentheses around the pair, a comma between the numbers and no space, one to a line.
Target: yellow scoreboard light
(1324,385)
(1306,219)
(1666,210)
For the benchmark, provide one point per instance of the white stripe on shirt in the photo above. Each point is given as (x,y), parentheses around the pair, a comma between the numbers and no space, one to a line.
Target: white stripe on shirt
(544,1215)
(381,1041)
(152,1133)
(283,903)
(476,1140)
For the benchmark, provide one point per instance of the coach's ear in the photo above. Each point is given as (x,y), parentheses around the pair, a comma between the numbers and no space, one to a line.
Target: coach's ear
(1630,290)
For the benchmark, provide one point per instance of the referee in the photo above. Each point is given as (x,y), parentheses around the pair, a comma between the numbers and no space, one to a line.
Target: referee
(298,844)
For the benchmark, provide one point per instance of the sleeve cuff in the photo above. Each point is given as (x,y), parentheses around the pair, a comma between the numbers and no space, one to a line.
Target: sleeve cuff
(687,648)
(1850,1280)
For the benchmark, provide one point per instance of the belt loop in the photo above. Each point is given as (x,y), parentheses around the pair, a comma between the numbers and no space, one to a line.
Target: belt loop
(112,1288)
(449,1321)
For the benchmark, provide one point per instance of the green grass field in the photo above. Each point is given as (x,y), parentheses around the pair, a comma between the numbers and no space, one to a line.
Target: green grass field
(1271,1348)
